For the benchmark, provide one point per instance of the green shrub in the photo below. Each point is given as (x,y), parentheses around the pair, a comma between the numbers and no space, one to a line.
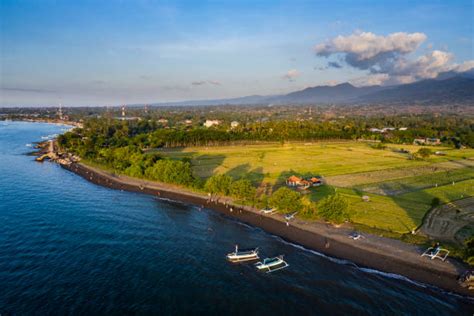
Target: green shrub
(243,189)
(334,208)
(285,200)
(219,183)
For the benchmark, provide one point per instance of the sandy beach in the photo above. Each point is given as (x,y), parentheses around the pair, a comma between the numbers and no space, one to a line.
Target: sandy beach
(373,252)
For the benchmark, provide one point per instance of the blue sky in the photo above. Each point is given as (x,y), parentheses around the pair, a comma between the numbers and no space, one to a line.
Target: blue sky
(114,52)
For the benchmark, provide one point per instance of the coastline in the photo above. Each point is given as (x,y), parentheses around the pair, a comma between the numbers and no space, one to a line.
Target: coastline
(49,121)
(373,252)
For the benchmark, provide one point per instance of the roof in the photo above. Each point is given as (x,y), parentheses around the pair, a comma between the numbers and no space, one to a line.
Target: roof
(294,179)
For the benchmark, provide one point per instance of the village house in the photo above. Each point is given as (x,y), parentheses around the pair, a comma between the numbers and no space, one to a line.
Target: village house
(209,123)
(426,141)
(419,141)
(234,124)
(299,182)
(383,130)
(433,141)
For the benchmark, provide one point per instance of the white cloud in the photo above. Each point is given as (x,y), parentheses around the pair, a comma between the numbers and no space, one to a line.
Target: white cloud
(425,66)
(331,83)
(204,82)
(365,49)
(291,74)
(388,58)
(465,66)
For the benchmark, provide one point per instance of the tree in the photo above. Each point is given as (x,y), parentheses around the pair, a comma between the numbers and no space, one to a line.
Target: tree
(435,202)
(243,189)
(334,208)
(219,183)
(424,153)
(286,200)
(171,171)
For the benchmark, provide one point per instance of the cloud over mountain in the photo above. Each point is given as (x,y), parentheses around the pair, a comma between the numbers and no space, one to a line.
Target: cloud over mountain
(387,59)
(291,75)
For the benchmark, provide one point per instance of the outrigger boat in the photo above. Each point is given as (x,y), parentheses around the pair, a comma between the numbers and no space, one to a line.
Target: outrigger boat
(268,210)
(243,255)
(436,253)
(290,216)
(272,264)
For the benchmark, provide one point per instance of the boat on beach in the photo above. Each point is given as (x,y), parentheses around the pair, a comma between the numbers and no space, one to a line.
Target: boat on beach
(268,210)
(272,264)
(290,216)
(243,255)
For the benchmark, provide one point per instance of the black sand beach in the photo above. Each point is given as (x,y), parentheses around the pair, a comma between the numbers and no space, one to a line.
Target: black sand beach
(373,252)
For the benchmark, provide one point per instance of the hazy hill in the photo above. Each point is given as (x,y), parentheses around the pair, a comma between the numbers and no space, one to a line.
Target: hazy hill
(448,87)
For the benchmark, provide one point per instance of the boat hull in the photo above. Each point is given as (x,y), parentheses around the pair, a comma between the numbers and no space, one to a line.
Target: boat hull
(240,258)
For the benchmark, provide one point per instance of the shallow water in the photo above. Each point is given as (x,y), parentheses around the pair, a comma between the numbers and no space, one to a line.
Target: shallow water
(69,246)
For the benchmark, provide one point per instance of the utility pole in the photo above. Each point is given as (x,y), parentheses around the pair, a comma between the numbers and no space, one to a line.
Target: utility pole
(60,111)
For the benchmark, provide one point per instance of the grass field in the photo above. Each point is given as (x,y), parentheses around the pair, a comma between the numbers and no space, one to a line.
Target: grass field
(400,190)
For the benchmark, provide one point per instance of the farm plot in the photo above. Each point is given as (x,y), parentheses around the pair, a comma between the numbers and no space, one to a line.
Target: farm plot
(452,222)
(371,177)
(410,184)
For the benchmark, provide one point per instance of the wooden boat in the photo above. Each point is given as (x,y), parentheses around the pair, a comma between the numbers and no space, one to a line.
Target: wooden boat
(268,210)
(272,264)
(243,254)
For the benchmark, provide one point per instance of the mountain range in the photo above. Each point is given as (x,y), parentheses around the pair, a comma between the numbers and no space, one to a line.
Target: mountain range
(449,87)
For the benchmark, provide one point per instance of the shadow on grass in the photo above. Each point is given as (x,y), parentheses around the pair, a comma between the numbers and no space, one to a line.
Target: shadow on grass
(205,166)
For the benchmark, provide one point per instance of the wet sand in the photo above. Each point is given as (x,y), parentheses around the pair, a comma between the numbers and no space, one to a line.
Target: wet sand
(374,252)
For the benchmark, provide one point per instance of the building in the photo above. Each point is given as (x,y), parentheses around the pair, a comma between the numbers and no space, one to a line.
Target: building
(304,183)
(163,121)
(293,181)
(427,141)
(382,130)
(209,123)
(234,124)
(433,141)
(419,141)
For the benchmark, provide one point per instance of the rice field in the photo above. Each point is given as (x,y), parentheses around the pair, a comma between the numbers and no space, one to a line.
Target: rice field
(415,183)
(400,190)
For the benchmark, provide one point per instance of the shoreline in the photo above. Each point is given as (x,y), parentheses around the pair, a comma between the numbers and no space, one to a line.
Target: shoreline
(48,121)
(373,252)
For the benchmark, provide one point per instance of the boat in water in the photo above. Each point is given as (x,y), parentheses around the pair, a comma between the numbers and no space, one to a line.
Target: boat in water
(272,264)
(243,254)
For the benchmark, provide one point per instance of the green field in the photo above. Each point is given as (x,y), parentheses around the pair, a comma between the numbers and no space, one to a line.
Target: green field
(400,190)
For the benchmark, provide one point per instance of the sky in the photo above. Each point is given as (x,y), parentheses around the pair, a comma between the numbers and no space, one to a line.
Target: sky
(112,52)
